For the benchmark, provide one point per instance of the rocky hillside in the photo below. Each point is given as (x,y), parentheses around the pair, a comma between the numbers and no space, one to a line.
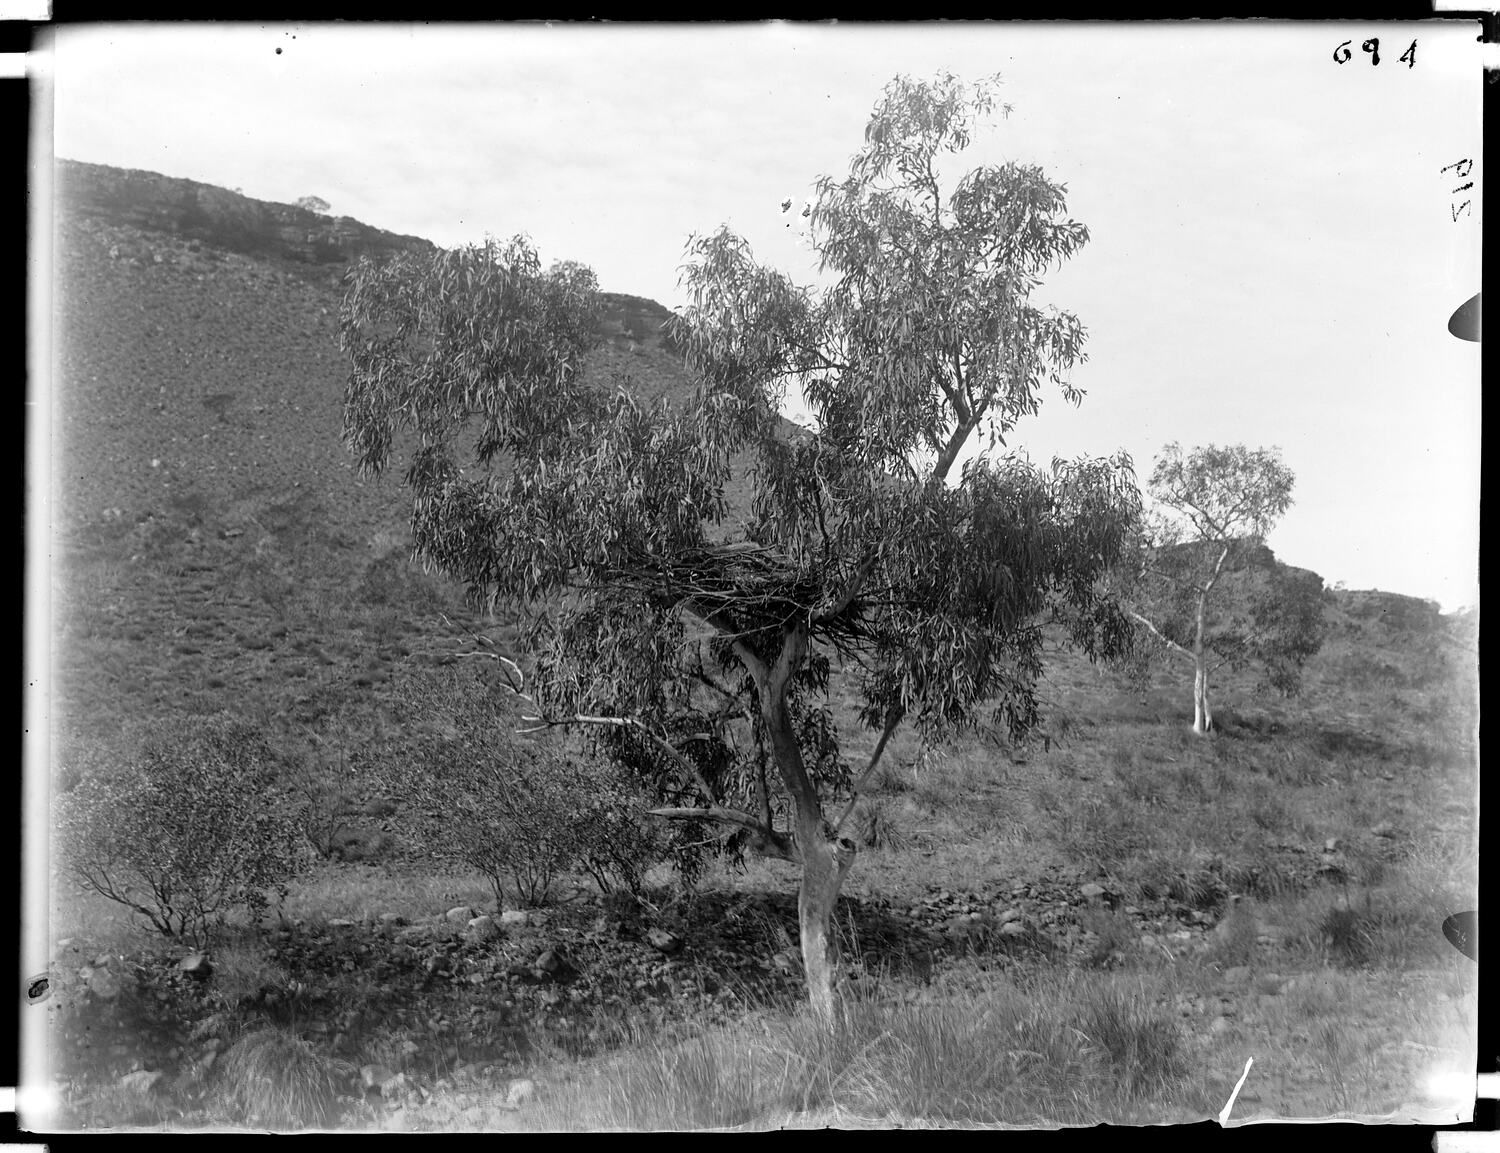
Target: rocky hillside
(217,547)
(220,219)
(203,492)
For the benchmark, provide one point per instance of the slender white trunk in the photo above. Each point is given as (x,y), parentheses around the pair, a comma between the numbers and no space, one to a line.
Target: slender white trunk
(1203,717)
(825,864)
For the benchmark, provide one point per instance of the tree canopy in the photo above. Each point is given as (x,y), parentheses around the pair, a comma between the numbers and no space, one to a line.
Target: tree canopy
(701,648)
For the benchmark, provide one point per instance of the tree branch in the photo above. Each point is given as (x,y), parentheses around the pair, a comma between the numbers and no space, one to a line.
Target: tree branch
(1157,632)
(768,842)
(541,723)
(890,727)
(831,609)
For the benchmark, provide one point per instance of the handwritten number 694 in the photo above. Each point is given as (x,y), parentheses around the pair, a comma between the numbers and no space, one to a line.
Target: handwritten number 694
(1343,53)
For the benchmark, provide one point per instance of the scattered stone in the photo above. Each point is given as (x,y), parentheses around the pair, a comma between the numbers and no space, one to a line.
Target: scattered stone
(1009,915)
(663,941)
(141,1081)
(1331,845)
(375,1076)
(482,929)
(1219,1024)
(1092,891)
(554,964)
(196,965)
(1013,929)
(341,923)
(460,913)
(394,920)
(513,917)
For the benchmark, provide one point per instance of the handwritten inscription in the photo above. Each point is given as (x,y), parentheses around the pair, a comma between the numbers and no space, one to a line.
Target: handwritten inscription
(1343,53)
(1461,170)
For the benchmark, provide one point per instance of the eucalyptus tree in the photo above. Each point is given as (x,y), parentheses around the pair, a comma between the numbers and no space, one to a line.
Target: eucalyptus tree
(1214,507)
(698,641)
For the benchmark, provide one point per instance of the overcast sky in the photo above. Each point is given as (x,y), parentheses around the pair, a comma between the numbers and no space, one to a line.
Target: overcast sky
(1274,254)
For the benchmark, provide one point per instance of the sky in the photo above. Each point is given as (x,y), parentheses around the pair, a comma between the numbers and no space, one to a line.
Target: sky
(1276,246)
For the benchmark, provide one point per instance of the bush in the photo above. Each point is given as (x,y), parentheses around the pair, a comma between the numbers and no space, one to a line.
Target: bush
(518,811)
(192,827)
(325,788)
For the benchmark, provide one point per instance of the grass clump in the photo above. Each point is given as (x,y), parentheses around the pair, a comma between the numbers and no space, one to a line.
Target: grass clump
(1143,1046)
(273,1077)
(1061,1051)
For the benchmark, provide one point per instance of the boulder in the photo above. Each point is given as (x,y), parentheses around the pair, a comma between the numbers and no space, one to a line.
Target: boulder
(140,1081)
(460,913)
(664,942)
(196,965)
(513,917)
(482,929)
(377,1077)
(553,963)
(1092,891)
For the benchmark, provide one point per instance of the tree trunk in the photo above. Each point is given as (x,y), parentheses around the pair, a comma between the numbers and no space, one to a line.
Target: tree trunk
(825,857)
(825,864)
(1203,717)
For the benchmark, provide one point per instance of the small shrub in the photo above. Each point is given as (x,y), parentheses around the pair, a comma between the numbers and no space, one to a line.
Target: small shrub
(273,1077)
(242,971)
(325,787)
(520,812)
(1347,933)
(189,829)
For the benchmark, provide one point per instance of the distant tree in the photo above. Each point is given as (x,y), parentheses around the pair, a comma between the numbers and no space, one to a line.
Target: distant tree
(1213,508)
(314,204)
(702,651)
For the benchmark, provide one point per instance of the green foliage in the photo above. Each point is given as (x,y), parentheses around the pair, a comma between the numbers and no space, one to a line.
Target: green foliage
(189,829)
(602,518)
(516,810)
